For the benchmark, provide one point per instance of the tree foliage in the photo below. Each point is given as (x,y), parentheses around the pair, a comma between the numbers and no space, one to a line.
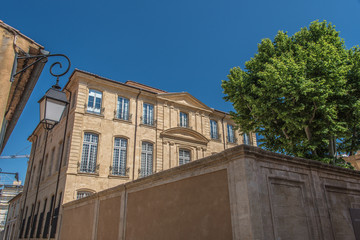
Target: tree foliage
(300,92)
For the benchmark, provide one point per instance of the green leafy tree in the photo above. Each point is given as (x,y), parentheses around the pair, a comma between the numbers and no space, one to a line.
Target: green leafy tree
(301,93)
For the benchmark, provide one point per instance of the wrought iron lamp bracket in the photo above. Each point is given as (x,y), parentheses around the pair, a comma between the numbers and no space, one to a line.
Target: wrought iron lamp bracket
(44,59)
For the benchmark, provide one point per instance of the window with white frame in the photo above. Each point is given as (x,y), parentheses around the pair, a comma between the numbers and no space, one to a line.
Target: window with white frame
(146,166)
(89,153)
(94,101)
(122,108)
(82,194)
(119,159)
(184,122)
(148,114)
(184,156)
(246,138)
(213,129)
(230,133)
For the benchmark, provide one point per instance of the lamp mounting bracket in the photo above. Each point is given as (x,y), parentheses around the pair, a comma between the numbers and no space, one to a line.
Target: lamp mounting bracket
(44,59)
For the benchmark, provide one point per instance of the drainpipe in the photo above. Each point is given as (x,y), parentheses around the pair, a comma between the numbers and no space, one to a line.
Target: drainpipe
(28,185)
(136,114)
(59,170)
(223,130)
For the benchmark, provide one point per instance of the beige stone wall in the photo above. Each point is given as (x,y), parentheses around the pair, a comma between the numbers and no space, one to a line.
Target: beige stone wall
(241,193)
(12,41)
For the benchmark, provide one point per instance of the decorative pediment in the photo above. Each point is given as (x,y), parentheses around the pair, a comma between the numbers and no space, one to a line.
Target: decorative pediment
(184,134)
(185,99)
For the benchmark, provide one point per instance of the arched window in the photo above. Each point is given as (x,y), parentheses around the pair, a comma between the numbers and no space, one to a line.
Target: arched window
(89,153)
(184,156)
(83,193)
(146,159)
(119,159)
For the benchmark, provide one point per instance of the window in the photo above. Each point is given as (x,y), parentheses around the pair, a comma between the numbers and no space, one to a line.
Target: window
(184,156)
(119,160)
(94,103)
(213,129)
(146,159)
(246,139)
(230,133)
(82,194)
(148,114)
(184,119)
(89,153)
(122,108)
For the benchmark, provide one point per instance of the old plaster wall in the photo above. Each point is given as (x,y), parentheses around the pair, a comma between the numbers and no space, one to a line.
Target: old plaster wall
(240,193)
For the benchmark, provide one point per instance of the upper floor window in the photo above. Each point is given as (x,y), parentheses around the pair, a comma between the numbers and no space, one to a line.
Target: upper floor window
(89,153)
(146,166)
(122,108)
(246,139)
(119,159)
(230,133)
(82,194)
(184,156)
(213,129)
(148,114)
(184,122)
(94,102)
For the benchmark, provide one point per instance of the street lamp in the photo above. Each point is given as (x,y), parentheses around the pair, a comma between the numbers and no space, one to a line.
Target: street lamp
(52,106)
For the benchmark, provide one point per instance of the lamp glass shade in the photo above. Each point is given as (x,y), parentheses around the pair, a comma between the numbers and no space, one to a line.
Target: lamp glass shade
(52,108)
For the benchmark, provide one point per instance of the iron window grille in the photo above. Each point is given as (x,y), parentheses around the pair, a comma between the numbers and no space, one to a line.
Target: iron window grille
(184,156)
(119,158)
(146,167)
(89,153)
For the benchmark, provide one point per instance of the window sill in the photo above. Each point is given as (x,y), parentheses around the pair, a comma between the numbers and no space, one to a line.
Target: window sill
(88,174)
(94,114)
(122,120)
(216,140)
(147,125)
(118,176)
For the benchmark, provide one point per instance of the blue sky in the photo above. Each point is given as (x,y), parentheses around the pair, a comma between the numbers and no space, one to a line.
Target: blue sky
(172,45)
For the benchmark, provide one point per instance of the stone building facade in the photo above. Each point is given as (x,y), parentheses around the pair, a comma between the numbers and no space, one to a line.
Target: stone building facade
(11,219)
(113,133)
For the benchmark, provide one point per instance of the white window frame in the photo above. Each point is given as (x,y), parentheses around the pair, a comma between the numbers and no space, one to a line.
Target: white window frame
(147,156)
(94,106)
(184,156)
(89,153)
(214,129)
(148,114)
(184,119)
(120,156)
(122,111)
(230,133)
